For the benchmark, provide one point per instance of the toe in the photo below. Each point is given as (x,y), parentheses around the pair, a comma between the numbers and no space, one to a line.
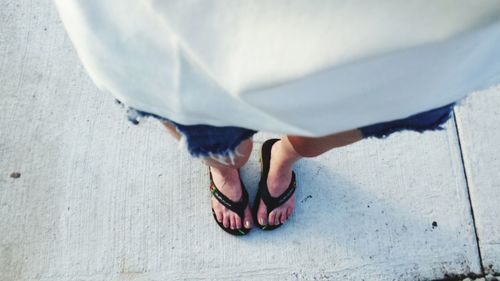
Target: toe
(289,212)
(272,217)
(225,220)
(232,221)
(262,214)
(237,222)
(283,217)
(277,219)
(247,222)
(218,215)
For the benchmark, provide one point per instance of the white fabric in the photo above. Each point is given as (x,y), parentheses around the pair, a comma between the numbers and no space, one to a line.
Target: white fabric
(307,67)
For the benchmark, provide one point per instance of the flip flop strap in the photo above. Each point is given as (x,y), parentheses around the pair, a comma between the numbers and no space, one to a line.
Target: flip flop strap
(237,207)
(274,202)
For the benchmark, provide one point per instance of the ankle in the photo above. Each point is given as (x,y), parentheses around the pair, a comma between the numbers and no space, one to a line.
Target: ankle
(282,158)
(223,171)
(225,178)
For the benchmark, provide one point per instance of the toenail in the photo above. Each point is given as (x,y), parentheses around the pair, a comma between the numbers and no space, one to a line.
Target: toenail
(247,224)
(262,221)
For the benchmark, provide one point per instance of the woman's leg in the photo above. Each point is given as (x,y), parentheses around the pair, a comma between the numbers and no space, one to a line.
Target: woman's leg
(226,178)
(284,154)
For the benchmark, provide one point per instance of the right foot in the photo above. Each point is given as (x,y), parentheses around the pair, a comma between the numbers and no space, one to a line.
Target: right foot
(228,183)
(278,180)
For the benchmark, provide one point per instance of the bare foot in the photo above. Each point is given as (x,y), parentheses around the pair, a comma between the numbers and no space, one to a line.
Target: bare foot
(228,183)
(278,180)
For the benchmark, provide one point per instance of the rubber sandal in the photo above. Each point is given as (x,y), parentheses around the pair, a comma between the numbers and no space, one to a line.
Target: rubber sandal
(263,192)
(237,207)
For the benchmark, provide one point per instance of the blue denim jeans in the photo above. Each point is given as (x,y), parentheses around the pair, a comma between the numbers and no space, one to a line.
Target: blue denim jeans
(202,140)
(211,141)
(421,122)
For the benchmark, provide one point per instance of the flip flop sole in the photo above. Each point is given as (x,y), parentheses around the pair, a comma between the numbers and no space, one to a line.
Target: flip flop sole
(257,200)
(237,207)
(236,232)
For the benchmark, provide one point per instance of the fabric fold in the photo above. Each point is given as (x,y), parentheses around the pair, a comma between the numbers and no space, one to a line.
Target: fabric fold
(297,67)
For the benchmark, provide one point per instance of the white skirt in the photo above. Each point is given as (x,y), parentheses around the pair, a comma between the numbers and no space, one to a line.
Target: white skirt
(286,66)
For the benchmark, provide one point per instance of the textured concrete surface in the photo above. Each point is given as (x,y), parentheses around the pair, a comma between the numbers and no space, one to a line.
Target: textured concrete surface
(96,198)
(478,123)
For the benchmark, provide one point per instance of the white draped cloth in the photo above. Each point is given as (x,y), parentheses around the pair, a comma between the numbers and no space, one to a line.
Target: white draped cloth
(305,67)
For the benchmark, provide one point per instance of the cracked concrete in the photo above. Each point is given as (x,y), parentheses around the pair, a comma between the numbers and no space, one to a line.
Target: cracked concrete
(84,195)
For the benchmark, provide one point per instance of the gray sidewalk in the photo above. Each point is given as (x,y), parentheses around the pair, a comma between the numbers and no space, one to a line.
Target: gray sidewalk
(97,198)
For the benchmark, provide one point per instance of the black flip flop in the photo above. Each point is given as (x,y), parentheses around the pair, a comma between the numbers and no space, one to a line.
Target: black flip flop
(263,192)
(237,207)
